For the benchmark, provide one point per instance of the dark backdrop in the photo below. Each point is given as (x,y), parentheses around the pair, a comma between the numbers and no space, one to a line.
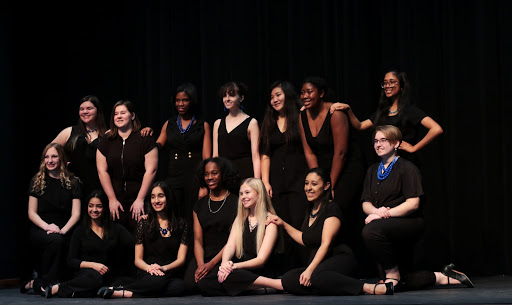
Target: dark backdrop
(457,56)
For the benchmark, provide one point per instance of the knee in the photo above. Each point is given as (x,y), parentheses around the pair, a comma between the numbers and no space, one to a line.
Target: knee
(371,232)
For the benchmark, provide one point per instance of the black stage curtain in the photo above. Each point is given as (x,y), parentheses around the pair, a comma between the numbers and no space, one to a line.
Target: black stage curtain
(457,56)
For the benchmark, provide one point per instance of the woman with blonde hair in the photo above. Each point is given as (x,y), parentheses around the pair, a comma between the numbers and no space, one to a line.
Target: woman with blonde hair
(245,258)
(53,209)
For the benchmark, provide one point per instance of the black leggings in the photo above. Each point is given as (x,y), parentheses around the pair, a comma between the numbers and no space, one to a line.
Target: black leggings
(330,277)
(382,237)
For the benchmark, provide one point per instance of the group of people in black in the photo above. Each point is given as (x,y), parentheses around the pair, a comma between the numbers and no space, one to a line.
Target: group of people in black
(236,208)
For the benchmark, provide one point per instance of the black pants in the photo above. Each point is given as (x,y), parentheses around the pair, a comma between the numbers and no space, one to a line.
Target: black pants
(51,248)
(383,237)
(331,277)
(85,283)
(147,285)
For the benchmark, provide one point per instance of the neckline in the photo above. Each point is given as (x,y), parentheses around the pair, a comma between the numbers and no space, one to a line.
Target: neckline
(226,126)
(321,127)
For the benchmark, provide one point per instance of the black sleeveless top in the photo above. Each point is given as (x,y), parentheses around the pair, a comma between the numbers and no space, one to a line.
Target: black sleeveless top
(82,160)
(236,147)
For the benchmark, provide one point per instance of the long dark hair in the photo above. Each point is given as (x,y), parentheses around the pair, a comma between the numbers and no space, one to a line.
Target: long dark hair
(153,225)
(99,121)
(326,178)
(229,176)
(105,221)
(131,108)
(291,108)
(403,98)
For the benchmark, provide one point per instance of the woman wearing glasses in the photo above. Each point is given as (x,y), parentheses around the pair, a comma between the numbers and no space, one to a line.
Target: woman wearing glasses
(394,108)
(391,200)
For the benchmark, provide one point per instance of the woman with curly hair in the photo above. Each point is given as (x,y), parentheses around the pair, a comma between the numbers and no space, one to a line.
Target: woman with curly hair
(53,209)
(213,216)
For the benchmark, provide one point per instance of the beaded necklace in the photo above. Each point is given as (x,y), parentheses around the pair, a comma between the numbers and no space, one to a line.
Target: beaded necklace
(178,122)
(383,173)
(251,227)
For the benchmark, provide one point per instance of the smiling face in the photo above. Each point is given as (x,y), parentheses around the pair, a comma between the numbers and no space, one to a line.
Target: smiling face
(384,147)
(314,187)
(87,112)
(231,100)
(277,99)
(310,95)
(182,103)
(122,117)
(158,199)
(391,85)
(95,208)
(212,176)
(52,160)
(248,196)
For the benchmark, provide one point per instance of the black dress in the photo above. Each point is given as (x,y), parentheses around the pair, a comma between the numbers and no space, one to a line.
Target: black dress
(162,251)
(82,161)
(332,275)
(53,206)
(239,280)
(125,159)
(87,246)
(408,120)
(288,169)
(349,185)
(216,227)
(236,147)
(183,152)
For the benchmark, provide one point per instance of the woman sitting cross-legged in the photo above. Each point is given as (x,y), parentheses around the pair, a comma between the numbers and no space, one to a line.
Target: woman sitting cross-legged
(93,251)
(160,251)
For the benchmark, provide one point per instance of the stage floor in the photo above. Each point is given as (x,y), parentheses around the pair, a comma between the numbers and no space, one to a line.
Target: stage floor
(488,290)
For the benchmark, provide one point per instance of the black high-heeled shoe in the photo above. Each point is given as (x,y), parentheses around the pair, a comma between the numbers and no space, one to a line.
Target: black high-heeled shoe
(390,290)
(107,292)
(48,293)
(459,276)
(398,286)
(23,287)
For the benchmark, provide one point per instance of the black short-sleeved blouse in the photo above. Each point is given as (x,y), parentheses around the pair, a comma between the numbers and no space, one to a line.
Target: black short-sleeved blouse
(56,203)
(162,250)
(403,182)
(125,159)
(216,226)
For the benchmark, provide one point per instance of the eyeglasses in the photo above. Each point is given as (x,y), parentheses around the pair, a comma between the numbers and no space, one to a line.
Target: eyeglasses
(391,84)
(380,141)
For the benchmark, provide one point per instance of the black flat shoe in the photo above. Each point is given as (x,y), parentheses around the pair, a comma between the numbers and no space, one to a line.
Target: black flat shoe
(390,289)
(398,286)
(459,276)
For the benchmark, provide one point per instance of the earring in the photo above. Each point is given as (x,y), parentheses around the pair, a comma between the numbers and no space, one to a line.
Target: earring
(225,109)
(241,106)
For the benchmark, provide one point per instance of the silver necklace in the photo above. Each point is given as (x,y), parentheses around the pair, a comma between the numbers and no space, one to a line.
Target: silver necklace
(393,112)
(223,201)
(251,227)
